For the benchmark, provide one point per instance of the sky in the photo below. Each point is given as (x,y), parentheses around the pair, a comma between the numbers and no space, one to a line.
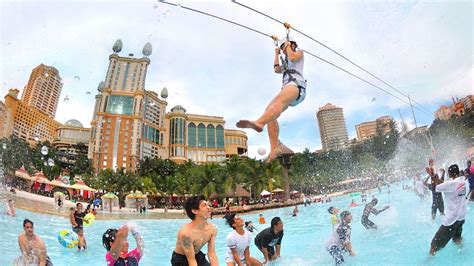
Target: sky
(210,67)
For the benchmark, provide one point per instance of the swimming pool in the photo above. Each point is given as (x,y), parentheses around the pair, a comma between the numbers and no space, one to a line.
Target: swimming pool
(404,234)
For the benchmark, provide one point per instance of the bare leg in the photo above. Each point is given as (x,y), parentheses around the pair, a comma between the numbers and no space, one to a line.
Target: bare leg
(273,132)
(279,104)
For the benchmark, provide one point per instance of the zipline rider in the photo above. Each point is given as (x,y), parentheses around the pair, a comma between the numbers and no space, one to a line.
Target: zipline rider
(292,93)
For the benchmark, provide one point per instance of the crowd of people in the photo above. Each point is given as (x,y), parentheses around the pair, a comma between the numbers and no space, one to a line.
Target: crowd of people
(452,191)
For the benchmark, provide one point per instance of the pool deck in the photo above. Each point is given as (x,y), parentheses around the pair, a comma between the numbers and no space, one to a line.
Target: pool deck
(42,204)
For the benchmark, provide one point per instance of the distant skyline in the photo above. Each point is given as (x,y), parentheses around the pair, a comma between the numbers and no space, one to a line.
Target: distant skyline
(424,49)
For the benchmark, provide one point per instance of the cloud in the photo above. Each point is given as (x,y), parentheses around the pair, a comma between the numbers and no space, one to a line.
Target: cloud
(214,68)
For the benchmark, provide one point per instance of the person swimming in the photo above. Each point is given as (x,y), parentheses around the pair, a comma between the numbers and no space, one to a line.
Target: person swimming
(369,208)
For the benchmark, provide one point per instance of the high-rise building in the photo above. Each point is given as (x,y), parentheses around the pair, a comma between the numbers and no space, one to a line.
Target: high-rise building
(126,119)
(368,130)
(332,127)
(26,122)
(235,142)
(131,123)
(43,89)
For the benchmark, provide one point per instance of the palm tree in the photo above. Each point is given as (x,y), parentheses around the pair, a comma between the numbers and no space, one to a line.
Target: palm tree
(236,172)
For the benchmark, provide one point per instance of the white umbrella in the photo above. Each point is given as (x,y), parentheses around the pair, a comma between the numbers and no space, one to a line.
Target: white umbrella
(278,190)
(265,193)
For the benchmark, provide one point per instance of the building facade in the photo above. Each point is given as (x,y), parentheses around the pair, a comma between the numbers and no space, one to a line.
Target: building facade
(332,127)
(68,137)
(235,142)
(43,89)
(27,122)
(130,123)
(368,130)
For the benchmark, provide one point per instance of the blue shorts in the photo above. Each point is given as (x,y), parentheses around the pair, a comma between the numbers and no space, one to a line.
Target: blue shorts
(302,92)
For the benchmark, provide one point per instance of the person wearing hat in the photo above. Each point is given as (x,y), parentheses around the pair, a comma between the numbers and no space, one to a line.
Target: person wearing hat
(293,92)
(370,208)
(455,192)
(268,241)
(238,244)
(340,241)
(116,244)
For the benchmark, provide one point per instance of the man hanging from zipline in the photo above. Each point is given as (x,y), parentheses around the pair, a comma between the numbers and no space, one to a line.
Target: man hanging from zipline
(292,93)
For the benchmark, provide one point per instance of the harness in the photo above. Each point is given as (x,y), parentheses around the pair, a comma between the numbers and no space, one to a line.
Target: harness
(285,66)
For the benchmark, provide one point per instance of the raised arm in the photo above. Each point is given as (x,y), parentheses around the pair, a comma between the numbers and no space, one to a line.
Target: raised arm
(138,240)
(293,56)
(276,62)
(122,234)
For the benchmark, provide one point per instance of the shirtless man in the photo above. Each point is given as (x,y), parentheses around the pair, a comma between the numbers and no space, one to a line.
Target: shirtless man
(32,248)
(194,235)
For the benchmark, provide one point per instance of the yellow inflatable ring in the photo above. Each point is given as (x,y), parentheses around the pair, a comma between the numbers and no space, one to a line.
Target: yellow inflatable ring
(89,219)
(67,238)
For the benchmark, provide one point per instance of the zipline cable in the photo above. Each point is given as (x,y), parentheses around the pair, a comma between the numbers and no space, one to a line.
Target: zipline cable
(334,51)
(272,37)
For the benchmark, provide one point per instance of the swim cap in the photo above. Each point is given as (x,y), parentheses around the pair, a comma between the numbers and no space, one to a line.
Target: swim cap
(107,237)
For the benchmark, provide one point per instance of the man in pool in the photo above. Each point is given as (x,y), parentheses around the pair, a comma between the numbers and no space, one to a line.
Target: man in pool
(340,241)
(370,208)
(438,203)
(32,247)
(116,244)
(268,241)
(193,236)
(238,244)
(455,191)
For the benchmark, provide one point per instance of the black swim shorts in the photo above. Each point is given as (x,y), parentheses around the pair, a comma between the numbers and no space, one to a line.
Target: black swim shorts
(446,233)
(181,260)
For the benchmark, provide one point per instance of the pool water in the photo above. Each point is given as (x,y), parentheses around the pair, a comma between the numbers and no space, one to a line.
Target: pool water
(404,235)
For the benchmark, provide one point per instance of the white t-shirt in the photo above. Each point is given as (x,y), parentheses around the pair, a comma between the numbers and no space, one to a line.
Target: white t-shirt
(239,242)
(455,191)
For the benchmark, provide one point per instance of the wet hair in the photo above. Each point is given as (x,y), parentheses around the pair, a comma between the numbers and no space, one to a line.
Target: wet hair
(344,214)
(192,203)
(331,209)
(274,221)
(453,170)
(107,237)
(375,201)
(27,221)
(230,220)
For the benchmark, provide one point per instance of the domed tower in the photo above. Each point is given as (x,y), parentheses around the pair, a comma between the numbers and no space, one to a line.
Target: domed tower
(177,134)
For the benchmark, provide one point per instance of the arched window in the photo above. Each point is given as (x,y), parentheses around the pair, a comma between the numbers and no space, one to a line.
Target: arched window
(191,135)
(211,136)
(220,137)
(201,135)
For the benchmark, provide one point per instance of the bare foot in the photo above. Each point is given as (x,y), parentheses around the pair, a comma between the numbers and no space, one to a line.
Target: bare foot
(281,149)
(249,124)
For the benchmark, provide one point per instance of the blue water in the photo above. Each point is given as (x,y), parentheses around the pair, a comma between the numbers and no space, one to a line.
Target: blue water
(404,235)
